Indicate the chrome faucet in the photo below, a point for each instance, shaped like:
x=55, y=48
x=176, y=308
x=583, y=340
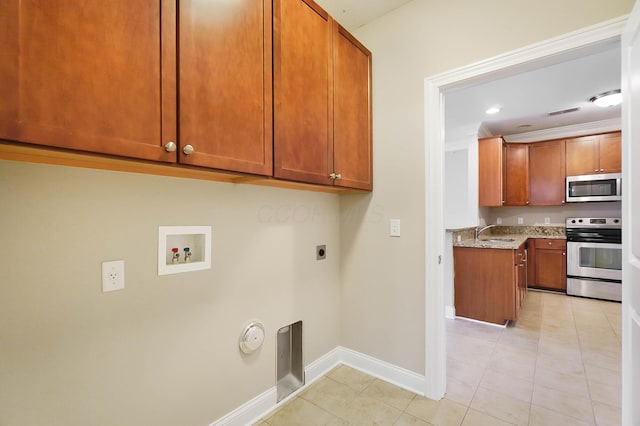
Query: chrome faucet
x=479, y=229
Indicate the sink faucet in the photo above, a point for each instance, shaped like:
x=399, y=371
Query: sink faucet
x=479, y=229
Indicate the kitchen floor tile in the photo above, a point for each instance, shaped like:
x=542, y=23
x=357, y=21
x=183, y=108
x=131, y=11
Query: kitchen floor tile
x=558, y=365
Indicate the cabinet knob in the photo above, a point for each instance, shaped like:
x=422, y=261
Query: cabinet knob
x=335, y=176
x=188, y=149
x=602, y=170
x=338, y=176
x=549, y=242
x=596, y=170
x=564, y=254
x=170, y=146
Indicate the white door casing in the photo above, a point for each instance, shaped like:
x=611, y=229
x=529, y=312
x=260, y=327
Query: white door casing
x=631, y=219
x=511, y=63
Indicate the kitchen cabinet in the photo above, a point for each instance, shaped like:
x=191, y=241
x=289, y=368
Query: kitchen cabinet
x=491, y=171
x=594, y=154
x=547, y=173
x=322, y=99
x=91, y=76
x=517, y=174
x=225, y=79
x=548, y=263
x=489, y=284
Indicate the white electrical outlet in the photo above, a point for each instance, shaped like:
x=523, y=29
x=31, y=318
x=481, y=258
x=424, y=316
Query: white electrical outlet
x=520, y=220
x=499, y=221
x=547, y=220
x=112, y=275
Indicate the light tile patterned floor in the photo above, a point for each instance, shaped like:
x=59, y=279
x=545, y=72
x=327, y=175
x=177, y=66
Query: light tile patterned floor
x=558, y=365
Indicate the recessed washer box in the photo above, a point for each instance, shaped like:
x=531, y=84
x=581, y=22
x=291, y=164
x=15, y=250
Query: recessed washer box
x=197, y=239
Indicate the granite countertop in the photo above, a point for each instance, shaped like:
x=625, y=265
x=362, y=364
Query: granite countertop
x=498, y=237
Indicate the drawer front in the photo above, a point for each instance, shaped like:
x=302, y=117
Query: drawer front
x=549, y=243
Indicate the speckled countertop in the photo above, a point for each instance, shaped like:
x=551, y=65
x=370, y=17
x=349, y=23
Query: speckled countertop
x=519, y=234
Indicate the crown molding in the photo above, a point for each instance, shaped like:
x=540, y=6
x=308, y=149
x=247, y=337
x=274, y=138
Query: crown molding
x=573, y=130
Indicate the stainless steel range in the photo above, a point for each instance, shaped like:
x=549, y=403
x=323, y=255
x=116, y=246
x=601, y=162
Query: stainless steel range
x=594, y=257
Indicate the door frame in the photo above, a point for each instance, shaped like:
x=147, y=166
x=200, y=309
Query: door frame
x=544, y=53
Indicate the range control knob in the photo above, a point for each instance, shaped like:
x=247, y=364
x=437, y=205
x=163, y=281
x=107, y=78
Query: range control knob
x=616, y=220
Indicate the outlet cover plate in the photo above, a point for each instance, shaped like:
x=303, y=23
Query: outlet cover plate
x=112, y=275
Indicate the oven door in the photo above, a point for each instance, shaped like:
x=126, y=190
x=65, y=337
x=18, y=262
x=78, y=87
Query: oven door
x=594, y=260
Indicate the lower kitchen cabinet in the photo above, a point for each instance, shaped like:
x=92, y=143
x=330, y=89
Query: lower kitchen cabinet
x=489, y=284
x=548, y=264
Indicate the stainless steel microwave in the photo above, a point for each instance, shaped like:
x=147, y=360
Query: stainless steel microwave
x=600, y=187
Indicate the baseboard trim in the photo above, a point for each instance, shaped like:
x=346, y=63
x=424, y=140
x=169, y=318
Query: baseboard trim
x=260, y=406
x=450, y=312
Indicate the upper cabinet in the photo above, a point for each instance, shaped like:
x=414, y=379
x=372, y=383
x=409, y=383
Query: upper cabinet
x=95, y=76
x=491, y=171
x=546, y=173
x=516, y=174
x=225, y=80
x=260, y=87
x=322, y=99
x=594, y=154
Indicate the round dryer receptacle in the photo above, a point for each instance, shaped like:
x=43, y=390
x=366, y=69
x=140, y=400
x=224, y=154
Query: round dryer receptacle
x=252, y=337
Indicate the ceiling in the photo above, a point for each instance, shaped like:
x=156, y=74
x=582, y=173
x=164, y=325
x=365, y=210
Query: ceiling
x=352, y=14
x=556, y=84
x=527, y=98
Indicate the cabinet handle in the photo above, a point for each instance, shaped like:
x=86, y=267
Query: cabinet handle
x=338, y=176
x=170, y=146
x=332, y=175
x=188, y=149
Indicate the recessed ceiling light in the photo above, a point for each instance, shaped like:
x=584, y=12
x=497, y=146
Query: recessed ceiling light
x=493, y=110
x=607, y=99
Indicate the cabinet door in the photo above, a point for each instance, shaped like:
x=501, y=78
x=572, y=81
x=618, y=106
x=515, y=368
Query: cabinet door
x=226, y=85
x=93, y=76
x=303, y=92
x=517, y=174
x=610, y=153
x=352, y=111
x=582, y=156
x=490, y=171
x=547, y=173
x=551, y=264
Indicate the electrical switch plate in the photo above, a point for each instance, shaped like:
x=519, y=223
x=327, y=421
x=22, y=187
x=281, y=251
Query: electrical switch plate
x=112, y=275
x=520, y=220
x=547, y=220
x=394, y=227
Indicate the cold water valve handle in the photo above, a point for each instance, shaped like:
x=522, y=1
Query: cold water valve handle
x=187, y=254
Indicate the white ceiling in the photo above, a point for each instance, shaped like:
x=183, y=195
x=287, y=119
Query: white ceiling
x=527, y=98
x=352, y=14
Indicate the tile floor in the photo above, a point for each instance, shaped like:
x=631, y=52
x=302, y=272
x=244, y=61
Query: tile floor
x=558, y=365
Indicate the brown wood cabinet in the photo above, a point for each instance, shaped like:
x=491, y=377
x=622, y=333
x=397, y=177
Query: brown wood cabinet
x=491, y=171
x=489, y=284
x=104, y=77
x=517, y=174
x=547, y=173
x=92, y=76
x=322, y=101
x=225, y=103
x=594, y=154
x=548, y=264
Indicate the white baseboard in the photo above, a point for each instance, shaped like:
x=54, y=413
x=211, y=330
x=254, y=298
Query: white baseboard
x=450, y=312
x=260, y=406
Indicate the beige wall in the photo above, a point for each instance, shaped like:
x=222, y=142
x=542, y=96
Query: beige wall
x=163, y=351
x=383, y=307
